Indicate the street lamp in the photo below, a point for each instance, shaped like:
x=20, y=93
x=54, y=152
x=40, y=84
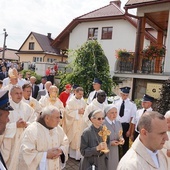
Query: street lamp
x=4, y=46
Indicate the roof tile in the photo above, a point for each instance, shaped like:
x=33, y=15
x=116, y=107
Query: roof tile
x=106, y=11
x=45, y=43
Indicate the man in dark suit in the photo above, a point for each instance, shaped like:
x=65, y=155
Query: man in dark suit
x=44, y=91
x=4, y=73
x=35, y=87
x=4, y=112
x=27, y=75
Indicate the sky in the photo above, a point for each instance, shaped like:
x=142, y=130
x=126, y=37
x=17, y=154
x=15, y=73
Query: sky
x=20, y=17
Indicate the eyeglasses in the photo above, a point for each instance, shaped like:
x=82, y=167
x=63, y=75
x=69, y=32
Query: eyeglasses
x=99, y=118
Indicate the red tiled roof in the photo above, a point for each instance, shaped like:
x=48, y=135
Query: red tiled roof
x=106, y=11
x=111, y=11
x=137, y=3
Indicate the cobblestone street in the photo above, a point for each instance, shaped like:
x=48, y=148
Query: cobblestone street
x=72, y=164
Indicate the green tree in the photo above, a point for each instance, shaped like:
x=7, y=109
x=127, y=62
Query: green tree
x=163, y=104
x=90, y=62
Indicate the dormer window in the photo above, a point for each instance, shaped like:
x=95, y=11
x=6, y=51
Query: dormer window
x=31, y=46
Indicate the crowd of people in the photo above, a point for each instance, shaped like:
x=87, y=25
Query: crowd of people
x=40, y=128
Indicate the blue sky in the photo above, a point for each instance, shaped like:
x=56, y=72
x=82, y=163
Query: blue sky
x=20, y=17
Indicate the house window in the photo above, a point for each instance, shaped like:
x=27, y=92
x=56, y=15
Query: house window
x=37, y=59
x=31, y=46
x=50, y=60
x=107, y=32
x=92, y=33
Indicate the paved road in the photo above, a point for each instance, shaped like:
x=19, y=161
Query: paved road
x=72, y=164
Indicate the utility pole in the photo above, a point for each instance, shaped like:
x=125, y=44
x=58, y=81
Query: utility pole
x=4, y=46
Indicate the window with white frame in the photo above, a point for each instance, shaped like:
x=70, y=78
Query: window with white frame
x=51, y=60
x=37, y=59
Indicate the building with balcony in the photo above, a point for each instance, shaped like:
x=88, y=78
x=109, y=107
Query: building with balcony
x=147, y=71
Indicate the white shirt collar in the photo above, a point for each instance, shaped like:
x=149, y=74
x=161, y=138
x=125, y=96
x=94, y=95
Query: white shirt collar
x=153, y=156
x=149, y=109
x=109, y=121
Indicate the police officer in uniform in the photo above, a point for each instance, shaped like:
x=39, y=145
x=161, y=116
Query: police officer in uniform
x=126, y=110
x=146, y=106
x=97, y=87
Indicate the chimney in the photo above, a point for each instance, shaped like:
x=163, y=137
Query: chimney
x=49, y=35
x=116, y=2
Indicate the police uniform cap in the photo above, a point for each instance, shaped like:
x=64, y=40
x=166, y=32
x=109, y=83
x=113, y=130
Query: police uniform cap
x=4, y=101
x=125, y=90
x=75, y=86
x=147, y=98
x=96, y=80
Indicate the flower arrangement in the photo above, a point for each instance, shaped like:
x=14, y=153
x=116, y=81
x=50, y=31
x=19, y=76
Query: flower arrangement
x=124, y=55
x=151, y=52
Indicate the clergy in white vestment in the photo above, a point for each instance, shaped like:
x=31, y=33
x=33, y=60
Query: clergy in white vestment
x=27, y=98
x=166, y=147
x=13, y=79
x=44, y=144
x=19, y=119
x=74, y=122
x=96, y=104
x=52, y=99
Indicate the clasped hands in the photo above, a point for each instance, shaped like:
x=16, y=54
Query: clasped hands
x=54, y=153
x=101, y=146
x=21, y=123
x=121, y=141
x=81, y=111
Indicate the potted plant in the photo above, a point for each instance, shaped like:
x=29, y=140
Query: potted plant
x=151, y=52
x=124, y=55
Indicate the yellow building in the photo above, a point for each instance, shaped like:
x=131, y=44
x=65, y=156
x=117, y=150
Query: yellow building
x=37, y=48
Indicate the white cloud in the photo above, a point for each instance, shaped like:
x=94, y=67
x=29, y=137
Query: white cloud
x=20, y=17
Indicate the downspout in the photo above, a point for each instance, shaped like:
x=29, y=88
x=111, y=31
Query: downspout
x=44, y=57
x=18, y=57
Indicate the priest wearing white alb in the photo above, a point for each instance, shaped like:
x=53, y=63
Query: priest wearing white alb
x=96, y=104
x=19, y=119
x=74, y=122
x=27, y=98
x=44, y=144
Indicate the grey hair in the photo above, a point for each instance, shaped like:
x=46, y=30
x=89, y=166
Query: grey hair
x=33, y=77
x=79, y=89
x=15, y=87
x=167, y=114
x=48, y=110
x=54, y=87
x=146, y=120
